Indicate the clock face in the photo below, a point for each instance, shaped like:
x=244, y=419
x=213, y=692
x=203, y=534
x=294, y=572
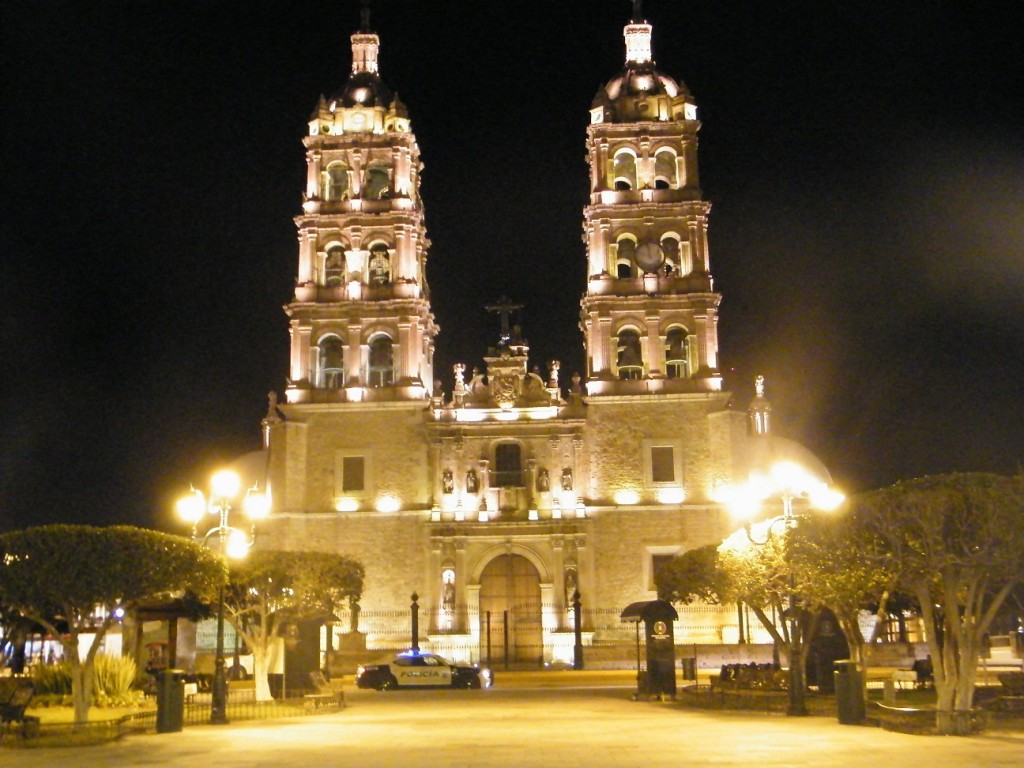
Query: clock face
x=660, y=628
x=649, y=257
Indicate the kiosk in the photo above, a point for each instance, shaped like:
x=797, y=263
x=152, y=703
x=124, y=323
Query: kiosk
x=659, y=679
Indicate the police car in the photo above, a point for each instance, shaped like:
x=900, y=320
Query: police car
x=415, y=669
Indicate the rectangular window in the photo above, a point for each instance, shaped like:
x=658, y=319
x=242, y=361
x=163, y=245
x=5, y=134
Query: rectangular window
x=658, y=565
x=508, y=466
x=663, y=464
x=353, y=474
x=655, y=559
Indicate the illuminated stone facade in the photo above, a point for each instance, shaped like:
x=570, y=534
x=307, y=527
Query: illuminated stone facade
x=516, y=487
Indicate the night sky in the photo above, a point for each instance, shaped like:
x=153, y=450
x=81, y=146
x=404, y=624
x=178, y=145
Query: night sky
x=865, y=163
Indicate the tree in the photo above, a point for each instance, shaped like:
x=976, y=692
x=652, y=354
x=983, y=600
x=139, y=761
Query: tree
x=82, y=577
x=738, y=570
x=691, y=576
x=763, y=576
x=269, y=588
x=956, y=542
x=837, y=564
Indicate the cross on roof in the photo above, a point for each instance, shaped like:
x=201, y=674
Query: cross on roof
x=504, y=307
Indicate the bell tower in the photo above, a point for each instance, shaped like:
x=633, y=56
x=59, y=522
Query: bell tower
x=361, y=327
x=649, y=312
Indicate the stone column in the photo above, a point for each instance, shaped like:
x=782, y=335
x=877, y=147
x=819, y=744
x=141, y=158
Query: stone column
x=300, y=352
x=603, y=354
x=558, y=569
x=355, y=352
x=313, y=160
x=402, y=350
x=655, y=348
x=461, y=589
x=307, y=255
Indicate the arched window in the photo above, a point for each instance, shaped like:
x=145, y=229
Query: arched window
x=508, y=466
x=331, y=364
x=378, y=184
x=336, y=182
x=334, y=266
x=380, y=264
x=677, y=354
x=624, y=265
x=670, y=247
x=381, y=365
x=624, y=170
x=630, y=362
x=665, y=170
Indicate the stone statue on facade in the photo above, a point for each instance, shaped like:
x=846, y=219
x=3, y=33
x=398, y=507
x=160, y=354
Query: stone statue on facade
x=567, y=479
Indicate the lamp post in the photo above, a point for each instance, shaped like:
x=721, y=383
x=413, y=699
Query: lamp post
x=225, y=486
x=788, y=482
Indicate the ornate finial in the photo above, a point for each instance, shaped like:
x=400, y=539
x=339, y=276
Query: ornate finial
x=271, y=418
x=638, y=38
x=760, y=410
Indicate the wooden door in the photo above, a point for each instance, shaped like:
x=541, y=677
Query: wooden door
x=510, y=591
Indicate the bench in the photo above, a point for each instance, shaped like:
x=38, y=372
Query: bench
x=764, y=677
x=904, y=678
x=15, y=696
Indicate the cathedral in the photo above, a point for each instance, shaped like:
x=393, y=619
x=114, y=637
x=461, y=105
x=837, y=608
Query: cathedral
x=497, y=494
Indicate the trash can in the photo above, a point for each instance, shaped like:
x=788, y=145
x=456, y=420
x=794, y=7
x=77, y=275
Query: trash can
x=849, y=680
x=689, y=668
x=170, y=701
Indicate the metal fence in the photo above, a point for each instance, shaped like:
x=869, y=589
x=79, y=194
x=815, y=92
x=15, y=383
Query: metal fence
x=292, y=704
x=239, y=708
x=526, y=634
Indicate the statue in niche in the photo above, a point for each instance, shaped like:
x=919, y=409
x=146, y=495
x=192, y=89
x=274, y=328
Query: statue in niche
x=472, y=482
x=571, y=585
x=448, y=590
x=447, y=482
x=567, y=479
x=543, y=481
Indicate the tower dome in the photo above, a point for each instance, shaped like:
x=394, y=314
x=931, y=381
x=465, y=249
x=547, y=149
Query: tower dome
x=363, y=89
x=640, y=91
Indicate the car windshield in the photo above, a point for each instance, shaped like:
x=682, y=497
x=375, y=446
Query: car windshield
x=420, y=660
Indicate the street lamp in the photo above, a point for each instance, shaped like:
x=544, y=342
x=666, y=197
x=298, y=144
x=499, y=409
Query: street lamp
x=788, y=481
x=225, y=486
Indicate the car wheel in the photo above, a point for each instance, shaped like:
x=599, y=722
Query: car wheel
x=388, y=684
x=473, y=682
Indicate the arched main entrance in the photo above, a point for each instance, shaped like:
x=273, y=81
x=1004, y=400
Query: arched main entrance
x=510, y=599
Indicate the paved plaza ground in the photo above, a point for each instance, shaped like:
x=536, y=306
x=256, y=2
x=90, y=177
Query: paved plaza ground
x=532, y=722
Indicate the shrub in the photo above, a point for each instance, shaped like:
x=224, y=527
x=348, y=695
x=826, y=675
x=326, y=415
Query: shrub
x=52, y=680
x=113, y=678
